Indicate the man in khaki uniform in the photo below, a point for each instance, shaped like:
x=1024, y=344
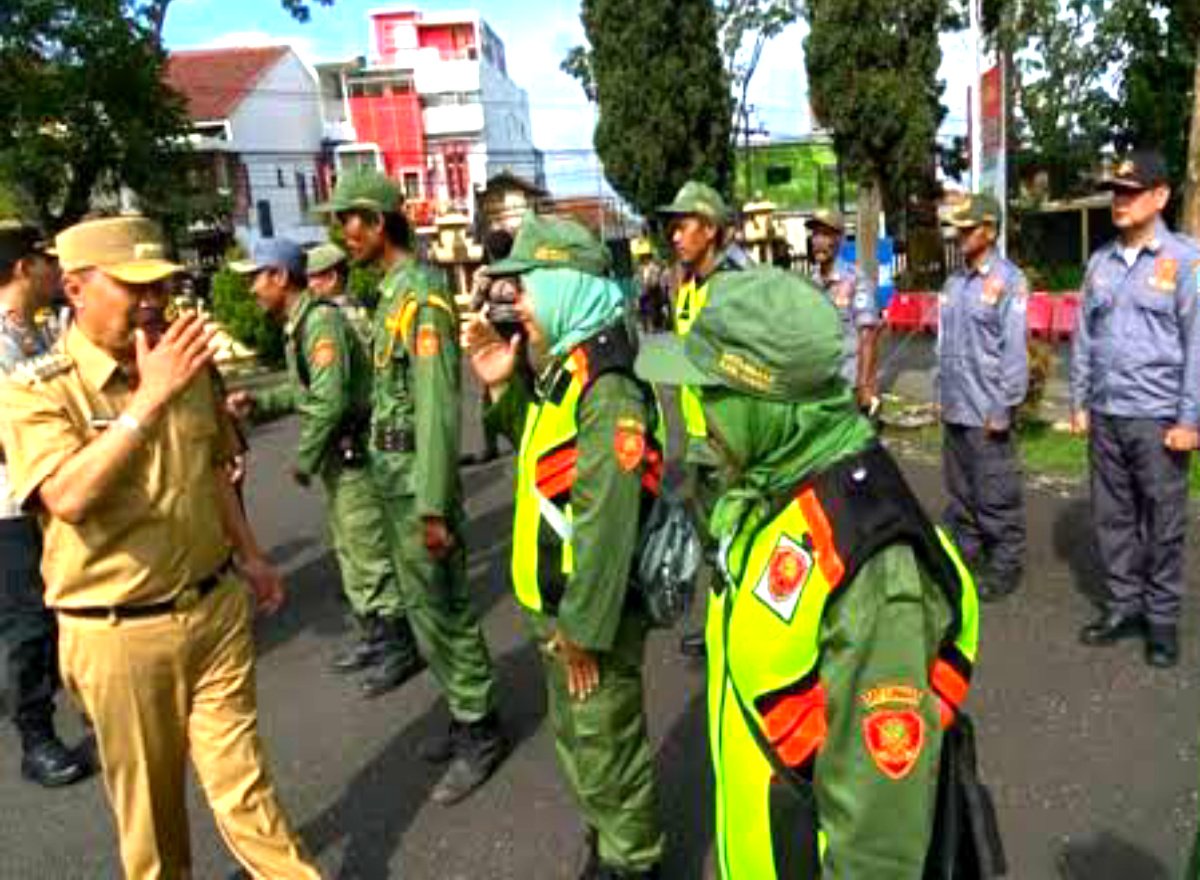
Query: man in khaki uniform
x=122, y=451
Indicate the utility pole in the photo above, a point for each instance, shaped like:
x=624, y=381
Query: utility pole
x=1191, y=196
x=976, y=97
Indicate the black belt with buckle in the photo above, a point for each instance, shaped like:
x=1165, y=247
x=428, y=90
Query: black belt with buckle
x=394, y=440
x=187, y=599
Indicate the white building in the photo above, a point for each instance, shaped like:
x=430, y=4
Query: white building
x=257, y=113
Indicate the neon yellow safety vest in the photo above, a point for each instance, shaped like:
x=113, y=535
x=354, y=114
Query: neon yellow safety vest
x=790, y=569
x=543, y=557
x=689, y=300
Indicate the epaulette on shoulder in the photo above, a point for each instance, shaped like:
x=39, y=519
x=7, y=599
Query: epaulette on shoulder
x=36, y=370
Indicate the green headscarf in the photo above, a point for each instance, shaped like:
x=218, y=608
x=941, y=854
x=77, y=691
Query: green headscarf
x=571, y=307
x=772, y=446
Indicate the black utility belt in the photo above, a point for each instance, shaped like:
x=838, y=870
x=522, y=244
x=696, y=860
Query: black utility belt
x=186, y=600
x=395, y=440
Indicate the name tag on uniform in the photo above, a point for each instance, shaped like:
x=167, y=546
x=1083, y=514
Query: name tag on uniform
x=1166, y=275
x=99, y=423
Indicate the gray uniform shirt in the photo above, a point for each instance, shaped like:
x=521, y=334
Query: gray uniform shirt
x=1136, y=351
x=856, y=308
x=983, y=365
x=18, y=342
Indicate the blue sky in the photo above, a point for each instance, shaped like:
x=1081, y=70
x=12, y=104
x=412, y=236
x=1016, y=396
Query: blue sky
x=537, y=35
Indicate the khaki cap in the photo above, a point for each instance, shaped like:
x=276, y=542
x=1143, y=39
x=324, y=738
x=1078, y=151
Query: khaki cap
x=130, y=249
x=829, y=218
x=698, y=199
x=324, y=257
x=976, y=210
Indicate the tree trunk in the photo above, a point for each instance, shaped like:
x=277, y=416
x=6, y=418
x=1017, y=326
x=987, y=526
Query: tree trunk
x=870, y=204
x=1191, y=200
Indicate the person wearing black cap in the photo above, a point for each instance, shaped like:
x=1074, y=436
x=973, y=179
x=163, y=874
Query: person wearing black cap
x=28, y=277
x=1135, y=389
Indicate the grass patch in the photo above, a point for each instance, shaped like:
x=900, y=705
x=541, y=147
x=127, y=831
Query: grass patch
x=1043, y=450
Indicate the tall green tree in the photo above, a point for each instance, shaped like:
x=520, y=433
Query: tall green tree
x=1155, y=46
x=83, y=107
x=872, y=71
x=655, y=71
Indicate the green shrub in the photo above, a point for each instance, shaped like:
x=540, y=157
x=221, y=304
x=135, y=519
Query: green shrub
x=1055, y=278
x=234, y=306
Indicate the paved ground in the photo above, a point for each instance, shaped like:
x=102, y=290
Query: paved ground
x=1081, y=746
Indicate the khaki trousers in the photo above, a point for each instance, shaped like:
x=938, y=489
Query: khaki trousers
x=165, y=688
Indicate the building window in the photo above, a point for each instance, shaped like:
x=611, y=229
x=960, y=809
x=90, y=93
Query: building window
x=302, y=192
x=778, y=175
x=279, y=178
x=266, y=225
x=412, y=185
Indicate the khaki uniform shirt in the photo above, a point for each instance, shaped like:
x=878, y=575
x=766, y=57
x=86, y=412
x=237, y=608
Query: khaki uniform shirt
x=159, y=528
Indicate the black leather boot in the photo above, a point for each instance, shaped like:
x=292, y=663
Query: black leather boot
x=362, y=653
x=398, y=662
x=478, y=750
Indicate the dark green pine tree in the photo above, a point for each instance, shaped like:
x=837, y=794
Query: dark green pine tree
x=872, y=71
x=656, y=73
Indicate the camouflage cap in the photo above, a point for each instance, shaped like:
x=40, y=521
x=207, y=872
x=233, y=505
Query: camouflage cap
x=324, y=257
x=130, y=249
x=1141, y=169
x=366, y=190
x=700, y=200
x=764, y=332
x=976, y=210
x=548, y=242
x=828, y=218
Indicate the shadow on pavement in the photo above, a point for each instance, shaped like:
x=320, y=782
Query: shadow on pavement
x=381, y=800
x=1075, y=545
x=314, y=602
x=685, y=787
x=1104, y=856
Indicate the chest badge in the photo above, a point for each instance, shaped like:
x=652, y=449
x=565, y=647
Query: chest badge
x=843, y=294
x=1166, y=274
x=894, y=738
x=782, y=582
x=993, y=290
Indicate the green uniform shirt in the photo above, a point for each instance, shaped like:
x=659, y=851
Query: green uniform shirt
x=605, y=501
x=338, y=380
x=416, y=389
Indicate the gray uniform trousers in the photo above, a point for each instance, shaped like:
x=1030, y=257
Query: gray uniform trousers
x=986, y=508
x=1139, y=513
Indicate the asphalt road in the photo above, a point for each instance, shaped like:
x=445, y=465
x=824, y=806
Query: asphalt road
x=1084, y=748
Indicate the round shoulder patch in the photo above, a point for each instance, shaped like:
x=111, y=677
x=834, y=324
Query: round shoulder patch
x=324, y=352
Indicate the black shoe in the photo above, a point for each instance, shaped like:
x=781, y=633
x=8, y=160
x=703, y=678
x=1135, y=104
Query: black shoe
x=588, y=860
x=1110, y=627
x=51, y=764
x=692, y=645
x=399, y=660
x=440, y=747
x=480, y=749
x=1162, y=646
x=993, y=588
x=364, y=652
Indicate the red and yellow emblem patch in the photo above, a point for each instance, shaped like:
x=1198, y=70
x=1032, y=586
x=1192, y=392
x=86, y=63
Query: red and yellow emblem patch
x=787, y=572
x=993, y=290
x=630, y=443
x=324, y=352
x=429, y=343
x=1166, y=273
x=894, y=738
